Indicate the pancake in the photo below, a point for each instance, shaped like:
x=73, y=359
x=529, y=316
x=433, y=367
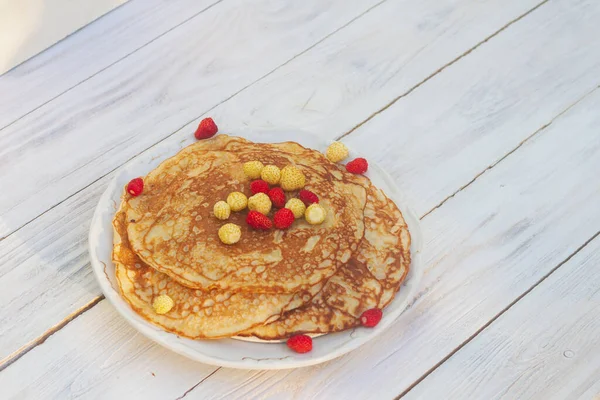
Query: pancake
x=170, y=226
x=369, y=280
x=196, y=314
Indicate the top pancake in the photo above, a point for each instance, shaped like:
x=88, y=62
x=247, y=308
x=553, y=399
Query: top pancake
x=172, y=229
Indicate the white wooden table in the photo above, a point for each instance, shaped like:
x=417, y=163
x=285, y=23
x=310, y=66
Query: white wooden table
x=487, y=113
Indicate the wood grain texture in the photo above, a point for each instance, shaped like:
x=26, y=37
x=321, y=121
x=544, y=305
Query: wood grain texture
x=545, y=347
x=92, y=49
x=59, y=257
x=485, y=246
x=112, y=117
x=112, y=347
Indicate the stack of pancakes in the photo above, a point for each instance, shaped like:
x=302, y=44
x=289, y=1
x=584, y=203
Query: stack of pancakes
x=271, y=284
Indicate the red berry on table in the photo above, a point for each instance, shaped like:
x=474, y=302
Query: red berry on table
x=135, y=186
x=258, y=221
x=371, y=317
x=206, y=129
x=300, y=343
x=357, y=166
x=308, y=197
x=283, y=218
x=259, y=186
x=277, y=197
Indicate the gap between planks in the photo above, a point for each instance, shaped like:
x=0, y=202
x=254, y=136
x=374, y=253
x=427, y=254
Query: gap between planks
x=42, y=338
x=495, y=317
x=105, y=68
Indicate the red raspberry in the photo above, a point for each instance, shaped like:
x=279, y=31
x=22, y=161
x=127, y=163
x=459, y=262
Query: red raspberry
x=300, y=343
x=308, y=197
x=258, y=221
x=357, y=166
x=283, y=218
x=206, y=129
x=371, y=317
x=135, y=186
x=259, y=186
x=277, y=197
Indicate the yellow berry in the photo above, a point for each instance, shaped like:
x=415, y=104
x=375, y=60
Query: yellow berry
x=221, y=210
x=230, y=233
x=252, y=169
x=292, y=178
x=336, y=152
x=271, y=174
x=237, y=201
x=297, y=207
x=163, y=304
x=315, y=214
x=260, y=202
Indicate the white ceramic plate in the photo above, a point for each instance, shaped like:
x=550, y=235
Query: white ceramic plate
x=231, y=352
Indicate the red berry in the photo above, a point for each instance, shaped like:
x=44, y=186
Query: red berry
x=300, y=343
x=371, y=317
x=308, y=197
x=135, y=186
x=259, y=186
x=357, y=166
x=258, y=221
x=283, y=218
x=277, y=197
x=206, y=129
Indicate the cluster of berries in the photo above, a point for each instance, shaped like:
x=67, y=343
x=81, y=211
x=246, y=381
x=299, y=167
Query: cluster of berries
x=265, y=197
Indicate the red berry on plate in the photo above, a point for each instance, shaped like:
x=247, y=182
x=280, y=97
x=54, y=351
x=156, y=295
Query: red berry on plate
x=259, y=186
x=308, y=197
x=277, y=197
x=206, y=129
x=135, y=186
x=371, y=317
x=258, y=221
x=283, y=218
x=300, y=343
x=357, y=166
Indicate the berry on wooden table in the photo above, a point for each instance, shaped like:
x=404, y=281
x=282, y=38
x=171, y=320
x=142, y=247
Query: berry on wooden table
x=206, y=129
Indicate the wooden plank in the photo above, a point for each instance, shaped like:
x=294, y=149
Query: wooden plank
x=485, y=247
x=91, y=50
x=110, y=118
x=547, y=346
x=63, y=249
x=28, y=27
x=111, y=347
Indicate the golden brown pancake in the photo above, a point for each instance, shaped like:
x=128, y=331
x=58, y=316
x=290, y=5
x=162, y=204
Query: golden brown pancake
x=171, y=226
x=369, y=280
x=196, y=314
